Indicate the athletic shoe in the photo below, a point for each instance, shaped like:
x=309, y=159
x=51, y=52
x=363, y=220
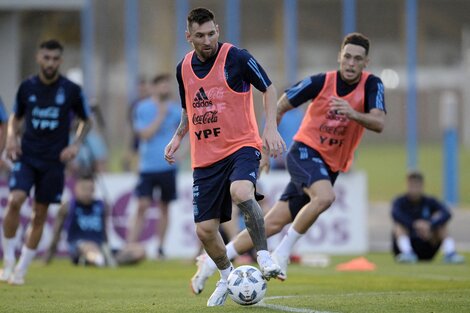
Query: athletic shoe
x=454, y=258
x=17, y=278
x=268, y=267
x=6, y=272
x=282, y=262
x=204, y=271
x=219, y=295
x=406, y=258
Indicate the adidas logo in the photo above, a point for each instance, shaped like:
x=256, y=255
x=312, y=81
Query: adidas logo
x=201, y=100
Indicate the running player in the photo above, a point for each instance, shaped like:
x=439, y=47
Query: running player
x=215, y=87
x=44, y=103
x=342, y=104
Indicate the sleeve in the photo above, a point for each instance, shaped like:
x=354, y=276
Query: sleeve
x=374, y=94
x=3, y=113
x=97, y=145
x=19, y=107
x=252, y=72
x=400, y=216
x=306, y=89
x=441, y=214
x=80, y=105
x=179, y=79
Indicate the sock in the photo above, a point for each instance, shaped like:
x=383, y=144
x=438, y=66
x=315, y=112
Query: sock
x=448, y=245
x=404, y=244
x=224, y=273
x=8, y=245
x=285, y=247
x=27, y=255
x=231, y=252
x=271, y=243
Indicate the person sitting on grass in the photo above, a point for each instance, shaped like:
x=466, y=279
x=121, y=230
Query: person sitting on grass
x=420, y=225
x=84, y=219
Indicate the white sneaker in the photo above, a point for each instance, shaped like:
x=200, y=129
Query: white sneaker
x=204, y=271
x=219, y=295
x=282, y=262
x=17, y=278
x=268, y=267
x=7, y=270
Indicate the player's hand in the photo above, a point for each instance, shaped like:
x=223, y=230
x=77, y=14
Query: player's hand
x=170, y=150
x=13, y=148
x=342, y=107
x=264, y=165
x=273, y=142
x=69, y=153
x=423, y=229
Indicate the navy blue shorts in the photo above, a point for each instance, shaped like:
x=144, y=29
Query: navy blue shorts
x=305, y=166
x=211, y=186
x=423, y=249
x=165, y=181
x=46, y=177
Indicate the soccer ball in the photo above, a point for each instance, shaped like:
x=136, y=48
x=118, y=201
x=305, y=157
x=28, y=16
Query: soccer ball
x=246, y=285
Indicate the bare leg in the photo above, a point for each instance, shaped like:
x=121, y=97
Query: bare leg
x=11, y=219
x=138, y=220
x=37, y=225
x=92, y=253
x=163, y=224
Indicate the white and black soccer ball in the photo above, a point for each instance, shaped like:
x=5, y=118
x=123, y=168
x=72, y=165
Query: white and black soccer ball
x=246, y=285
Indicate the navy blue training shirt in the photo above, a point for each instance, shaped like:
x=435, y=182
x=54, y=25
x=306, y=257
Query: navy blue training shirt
x=48, y=111
x=241, y=71
x=86, y=222
x=309, y=88
x=405, y=212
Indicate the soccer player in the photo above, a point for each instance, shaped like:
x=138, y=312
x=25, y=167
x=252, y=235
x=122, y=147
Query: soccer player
x=44, y=103
x=420, y=225
x=155, y=120
x=342, y=104
x=215, y=87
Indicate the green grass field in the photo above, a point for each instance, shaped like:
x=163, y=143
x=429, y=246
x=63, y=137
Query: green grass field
x=385, y=166
x=163, y=287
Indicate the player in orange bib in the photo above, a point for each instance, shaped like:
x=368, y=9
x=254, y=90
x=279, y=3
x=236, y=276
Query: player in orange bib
x=342, y=104
x=215, y=82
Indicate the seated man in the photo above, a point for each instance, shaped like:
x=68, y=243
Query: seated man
x=84, y=219
x=420, y=225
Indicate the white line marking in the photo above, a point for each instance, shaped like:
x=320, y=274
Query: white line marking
x=286, y=308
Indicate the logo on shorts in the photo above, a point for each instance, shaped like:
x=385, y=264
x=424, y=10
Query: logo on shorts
x=323, y=171
x=303, y=153
x=195, y=210
x=201, y=100
x=253, y=174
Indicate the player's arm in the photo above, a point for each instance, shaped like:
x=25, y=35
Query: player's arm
x=3, y=126
x=105, y=248
x=58, y=225
x=13, y=147
x=400, y=216
x=441, y=214
x=175, y=142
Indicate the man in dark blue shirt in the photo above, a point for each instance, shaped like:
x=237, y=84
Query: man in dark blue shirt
x=45, y=104
x=420, y=225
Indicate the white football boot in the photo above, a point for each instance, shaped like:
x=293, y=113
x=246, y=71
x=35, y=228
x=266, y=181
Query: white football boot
x=282, y=262
x=268, y=267
x=17, y=278
x=204, y=271
x=7, y=271
x=219, y=296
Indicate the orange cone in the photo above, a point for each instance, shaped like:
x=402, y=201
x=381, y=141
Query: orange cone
x=360, y=264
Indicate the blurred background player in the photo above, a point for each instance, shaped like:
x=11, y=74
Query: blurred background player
x=420, y=225
x=44, y=103
x=342, y=104
x=215, y=87
x=84, y=220
x=155, y=120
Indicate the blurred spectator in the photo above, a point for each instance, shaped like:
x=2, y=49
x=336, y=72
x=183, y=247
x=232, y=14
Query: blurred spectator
x=420, y=225
x=84, y=220
x=131, y=152
x=155, y=120
x=4, y=164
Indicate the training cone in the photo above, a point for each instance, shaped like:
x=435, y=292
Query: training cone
x=360, y=264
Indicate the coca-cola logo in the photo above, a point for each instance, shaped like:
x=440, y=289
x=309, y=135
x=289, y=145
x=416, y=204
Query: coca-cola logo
x=333, y=130
x=206, y=118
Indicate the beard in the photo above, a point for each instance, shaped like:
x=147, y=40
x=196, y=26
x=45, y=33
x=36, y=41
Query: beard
x=49, y=73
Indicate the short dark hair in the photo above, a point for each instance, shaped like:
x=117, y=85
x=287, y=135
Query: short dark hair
x=357, y=39
x=51, y=44
x=200, y=16
x=415, y=175
x=159, y=78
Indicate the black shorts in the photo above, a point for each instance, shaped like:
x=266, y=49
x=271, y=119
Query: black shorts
x=423, y=249
x=305, y=167
x=211, y=186
x=46, y=177
x=165, y=181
